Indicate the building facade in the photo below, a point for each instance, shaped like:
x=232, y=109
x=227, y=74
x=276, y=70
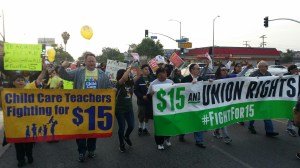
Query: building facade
x=242, y=55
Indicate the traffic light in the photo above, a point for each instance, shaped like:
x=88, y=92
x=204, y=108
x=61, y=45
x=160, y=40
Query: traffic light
x=266, y=21
x=181, y=51
x=146, y=33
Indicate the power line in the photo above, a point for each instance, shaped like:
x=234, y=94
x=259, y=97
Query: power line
x=263, y=43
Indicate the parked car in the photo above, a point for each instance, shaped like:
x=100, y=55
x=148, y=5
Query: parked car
x=277, y=66
x=185, y=71
x=273, y=71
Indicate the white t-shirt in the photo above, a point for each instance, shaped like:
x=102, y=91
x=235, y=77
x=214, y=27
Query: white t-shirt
x=156, y=81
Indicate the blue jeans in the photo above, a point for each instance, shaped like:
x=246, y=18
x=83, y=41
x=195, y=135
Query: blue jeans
x=199, y=137
x=86, y=144
x=268, y=125
x=121, y=118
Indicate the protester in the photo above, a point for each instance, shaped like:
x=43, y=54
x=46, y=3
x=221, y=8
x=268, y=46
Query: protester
x=161, y=75
x=195, y=75
x=296, y=111
x=169, y=67
x=55, y=82
x=292, y=70
x=261, y=72
x=88, y=77
x=25, y=148
x=222, y=73
x=144, y=104
x=176, y=76
x=236, y=70
x=124, y=108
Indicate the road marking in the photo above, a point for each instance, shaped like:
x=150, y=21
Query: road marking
x=232, y=157
x=281, y=121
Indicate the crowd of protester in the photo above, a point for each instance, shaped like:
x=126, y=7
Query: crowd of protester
x=142, y=87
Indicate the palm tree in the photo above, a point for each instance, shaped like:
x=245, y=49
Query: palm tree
x=65, y=36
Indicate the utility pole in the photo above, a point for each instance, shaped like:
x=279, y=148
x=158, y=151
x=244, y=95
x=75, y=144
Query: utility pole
x=263, y=41
x=3, y=35
x=246, y=43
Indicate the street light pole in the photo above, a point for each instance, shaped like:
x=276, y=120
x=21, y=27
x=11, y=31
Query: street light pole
x=3, y=35
x=179, y=27
x=213, y=47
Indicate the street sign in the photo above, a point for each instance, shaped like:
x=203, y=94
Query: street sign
x=185, y=45
x=153, y=37
x=181, y=41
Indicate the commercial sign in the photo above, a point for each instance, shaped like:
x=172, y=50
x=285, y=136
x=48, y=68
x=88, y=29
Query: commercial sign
x=185, y=45
x=46, y=41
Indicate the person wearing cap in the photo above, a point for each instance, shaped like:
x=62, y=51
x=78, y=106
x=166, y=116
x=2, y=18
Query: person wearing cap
x=261, y=72
x=222, y=73
x=292, y=70
x=160, y=60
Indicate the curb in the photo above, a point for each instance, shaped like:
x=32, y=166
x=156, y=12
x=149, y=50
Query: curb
x=4, y=149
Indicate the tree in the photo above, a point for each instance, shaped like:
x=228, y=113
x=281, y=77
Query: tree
x=66, y=37
x=132, y=48
x=288, y=56
x=62, y=55
x=149, y=48
x=110, y=53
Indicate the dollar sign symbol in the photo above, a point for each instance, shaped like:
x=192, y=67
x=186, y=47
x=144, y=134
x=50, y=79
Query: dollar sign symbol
x=78, y=117
x=163, y=105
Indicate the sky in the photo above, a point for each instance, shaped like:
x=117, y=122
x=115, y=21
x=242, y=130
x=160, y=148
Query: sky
x=119, y=23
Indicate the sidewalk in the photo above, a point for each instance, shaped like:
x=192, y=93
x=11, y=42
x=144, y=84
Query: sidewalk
x=2, y=149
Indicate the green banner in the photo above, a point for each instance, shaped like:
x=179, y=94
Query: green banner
x=22, y=57
x=186, y=108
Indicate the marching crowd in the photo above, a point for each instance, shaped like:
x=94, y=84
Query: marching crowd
x=142, y=86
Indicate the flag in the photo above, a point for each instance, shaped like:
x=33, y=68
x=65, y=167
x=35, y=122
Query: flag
x=210, y=66
x=228, y=65
x=135, y=56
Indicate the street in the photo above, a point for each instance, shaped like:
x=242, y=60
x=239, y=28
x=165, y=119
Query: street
x=246, y=150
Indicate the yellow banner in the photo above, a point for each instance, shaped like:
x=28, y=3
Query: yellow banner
x=55, y=114
x=22, y=57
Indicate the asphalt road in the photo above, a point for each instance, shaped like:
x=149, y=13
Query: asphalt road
x=245, y=151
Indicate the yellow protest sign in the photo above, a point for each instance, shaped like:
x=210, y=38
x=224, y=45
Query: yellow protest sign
x=68, y=84
x=22, y=57
x=56, y=114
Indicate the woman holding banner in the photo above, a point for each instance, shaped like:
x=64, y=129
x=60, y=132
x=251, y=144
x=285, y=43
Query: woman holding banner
x=161, y=74
x=222, y=73
x=25, y=149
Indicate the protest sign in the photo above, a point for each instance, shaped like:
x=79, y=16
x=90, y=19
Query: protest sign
x=186, y=108
x=32, y=115
x=112, y=67
x=22, y=57
x=176, y=60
